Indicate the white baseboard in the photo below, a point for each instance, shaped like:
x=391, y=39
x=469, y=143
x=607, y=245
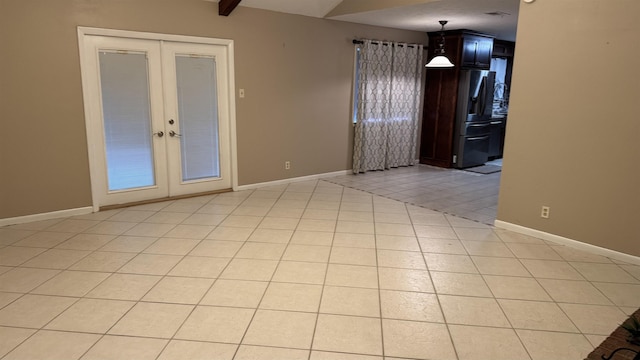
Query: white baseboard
x=46, y=216
x=568, y=242
x=297, y=179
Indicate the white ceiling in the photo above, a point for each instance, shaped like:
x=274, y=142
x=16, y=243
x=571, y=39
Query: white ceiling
x=315, y=8
x=419, y=15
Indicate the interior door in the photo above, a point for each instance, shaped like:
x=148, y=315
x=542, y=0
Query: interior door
x=198, y=117
x=127, y=147
x=158, y=120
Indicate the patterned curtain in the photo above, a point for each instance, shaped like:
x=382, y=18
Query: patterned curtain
x=389, y=92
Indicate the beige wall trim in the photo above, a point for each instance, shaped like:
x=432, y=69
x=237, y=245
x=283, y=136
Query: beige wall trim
x=46, y=216
x=290, y=180
x=568, y=242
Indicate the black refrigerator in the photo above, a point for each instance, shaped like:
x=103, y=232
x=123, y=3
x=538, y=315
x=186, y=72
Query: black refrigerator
x=472, y=131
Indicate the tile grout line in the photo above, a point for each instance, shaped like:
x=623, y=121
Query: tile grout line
x=326, y=273
x=433, y=285
x=78, y=299
x=215, y=280
x=375, y=244
x=255, y=312
x=195, y=306
x=140, y=299
x=502, y=311
x=136, y=302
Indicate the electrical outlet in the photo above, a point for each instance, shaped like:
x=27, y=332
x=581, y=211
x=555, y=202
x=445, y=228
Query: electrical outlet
x=287, y=165
x=544, y=213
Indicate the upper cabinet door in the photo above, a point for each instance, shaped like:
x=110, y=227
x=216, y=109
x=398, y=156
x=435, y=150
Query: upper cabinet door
x=476, y=52
x=469, y=50
x=483, y=54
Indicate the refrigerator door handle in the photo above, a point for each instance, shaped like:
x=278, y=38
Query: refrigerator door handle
x=483, y=95
x=479, y=125
x=477, y=138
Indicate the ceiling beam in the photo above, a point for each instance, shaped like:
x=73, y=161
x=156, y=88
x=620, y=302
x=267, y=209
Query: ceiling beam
x=225, y=7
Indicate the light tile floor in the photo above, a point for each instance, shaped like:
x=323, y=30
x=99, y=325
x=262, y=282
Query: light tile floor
x=462, y=193
x=308, y=270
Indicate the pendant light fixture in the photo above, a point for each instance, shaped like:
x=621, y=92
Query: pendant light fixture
x=440, y=60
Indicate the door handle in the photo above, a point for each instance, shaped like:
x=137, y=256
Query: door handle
x=174, y=134
x=477, y=138
x=159, y=133
x=483, y=95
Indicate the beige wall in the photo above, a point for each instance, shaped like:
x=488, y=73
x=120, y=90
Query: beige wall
x=297, y=72
x=573, y=132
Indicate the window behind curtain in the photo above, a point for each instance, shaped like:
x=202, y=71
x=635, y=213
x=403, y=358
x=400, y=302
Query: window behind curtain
x=356, y=83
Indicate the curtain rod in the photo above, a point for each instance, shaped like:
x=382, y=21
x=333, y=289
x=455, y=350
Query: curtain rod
x=357, y=42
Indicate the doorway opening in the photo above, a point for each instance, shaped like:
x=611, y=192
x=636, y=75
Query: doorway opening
x=160, y=115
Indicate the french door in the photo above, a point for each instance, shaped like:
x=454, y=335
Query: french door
x=158, y=118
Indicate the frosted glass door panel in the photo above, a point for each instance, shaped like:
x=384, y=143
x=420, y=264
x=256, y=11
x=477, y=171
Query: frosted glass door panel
x=127, y=120
x=198, y=117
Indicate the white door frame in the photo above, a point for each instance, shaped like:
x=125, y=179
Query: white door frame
x=88, y=100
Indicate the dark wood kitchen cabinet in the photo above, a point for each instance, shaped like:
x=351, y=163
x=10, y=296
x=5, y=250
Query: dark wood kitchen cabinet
x=502, y=48
x=476, y=51
x=438, y=119
x=466, y=49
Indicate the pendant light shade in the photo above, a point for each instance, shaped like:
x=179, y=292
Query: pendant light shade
x=440, y=60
